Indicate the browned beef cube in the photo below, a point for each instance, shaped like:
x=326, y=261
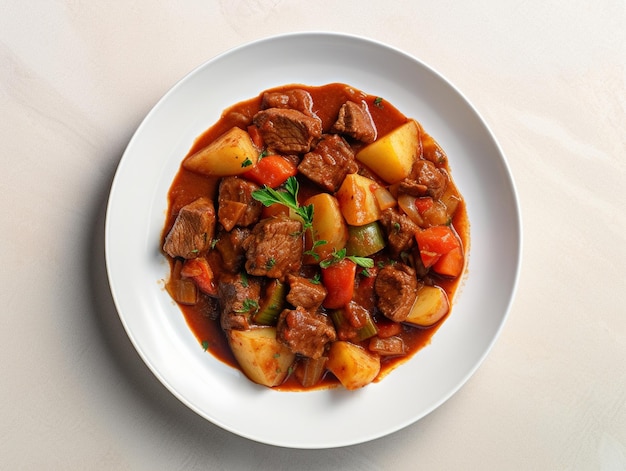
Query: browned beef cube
x=236, y=207
x=230, y=247
x=396, y=287
x=329, y=163
x=355, y=121
x=305, y=332
x=296, y=99
x=274, y=247
x=434, y=179
x=400, y=231
x=304, y=293
x=288, y=131
x=239, y=297
x=193, y=230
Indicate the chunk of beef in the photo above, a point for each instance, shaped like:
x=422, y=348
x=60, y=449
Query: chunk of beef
x=288, y=131
x=425, y=173
x=274, y=247
x=236, y=207
x=230, y=247
x=304, y=293
x=296, y=99
x=329, y=163
x=396, y=287
x=193, y=230
x=355, y=121
x=237, y=296
x=400, y=231
x=305, y=332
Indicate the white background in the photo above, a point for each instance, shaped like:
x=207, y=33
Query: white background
x=77, y=78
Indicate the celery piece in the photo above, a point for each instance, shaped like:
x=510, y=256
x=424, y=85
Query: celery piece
x=346, y=329
x=366, y=240
x=272, y=303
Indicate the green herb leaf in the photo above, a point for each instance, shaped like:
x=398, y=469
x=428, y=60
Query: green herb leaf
x=269, y=196
x=205, y=345
x=247, y=162
x=337, y=256
x=378, y=101
x=317, y=279
x=249, y=305
x=312, y=252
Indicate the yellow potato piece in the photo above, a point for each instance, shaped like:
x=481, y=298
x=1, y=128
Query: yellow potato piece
x=357, y=200
x=260, y=355
x=392, y=156
x=430, y=306
x=233, y=153
x=327, y=224
x=353, y=366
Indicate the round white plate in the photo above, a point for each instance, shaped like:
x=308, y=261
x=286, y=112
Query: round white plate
x=221, y=394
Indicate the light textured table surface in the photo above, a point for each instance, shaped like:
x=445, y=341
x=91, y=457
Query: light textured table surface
x=77, y=78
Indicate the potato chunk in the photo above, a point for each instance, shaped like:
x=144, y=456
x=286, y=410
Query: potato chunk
x=353, y=366
x=357, y=200
x=430, y=306
x=392, y=156
x=233, y=153
x=327, y=224
x=260, y=355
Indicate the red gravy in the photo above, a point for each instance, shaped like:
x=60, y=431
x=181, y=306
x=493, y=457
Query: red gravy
x=188, y=186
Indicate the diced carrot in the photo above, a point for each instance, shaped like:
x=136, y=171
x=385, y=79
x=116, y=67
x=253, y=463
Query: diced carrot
x=338, y=279
x=438, y=239
x=451, y=263
x=271, y=170
x=429, y=258
x=199, y=270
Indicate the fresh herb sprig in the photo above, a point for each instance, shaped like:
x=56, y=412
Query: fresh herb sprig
x=289, y=197
x=339, y=255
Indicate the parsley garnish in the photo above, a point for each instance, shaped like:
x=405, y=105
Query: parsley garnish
x=364, y=262
x=247, y=162
x=270, y=263
x=378, y=101
x=312, y=252
x=248, y=305
x=205, y=345
x=317, y=279
x=244, y=279
x=269, y=196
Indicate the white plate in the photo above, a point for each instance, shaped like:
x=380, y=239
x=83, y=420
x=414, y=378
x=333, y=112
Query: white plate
x=156, y=327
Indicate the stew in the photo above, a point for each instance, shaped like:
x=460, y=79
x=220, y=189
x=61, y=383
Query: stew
x=315, y=236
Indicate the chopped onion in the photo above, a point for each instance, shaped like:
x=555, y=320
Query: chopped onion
x=384, y=198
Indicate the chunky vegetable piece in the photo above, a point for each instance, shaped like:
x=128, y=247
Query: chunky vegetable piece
x=262, y=358
x=392, y=156
x=357, y=200
x=354, y=366
x=315, y=237
x=329, y=231
x=430, y=306
x=233, y=153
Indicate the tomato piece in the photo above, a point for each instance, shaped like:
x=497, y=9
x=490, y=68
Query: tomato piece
x=271, y=170
x=388, y=329
x=451, y=263
x=199, y=270
x=256, y=137
x=423, y=204
x=338, y=279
